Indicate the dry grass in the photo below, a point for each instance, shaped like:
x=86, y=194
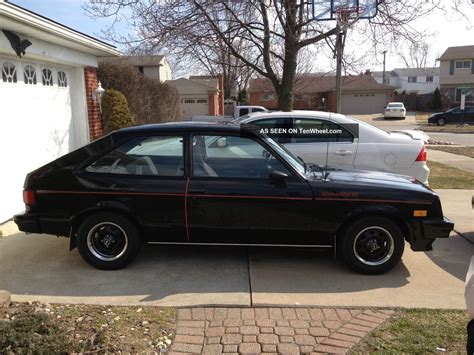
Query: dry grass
x=446, y=177
x=466, y=151
x=418, y=331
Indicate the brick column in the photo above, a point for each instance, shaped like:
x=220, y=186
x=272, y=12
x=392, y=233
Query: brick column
x=93, y=109
x=212, y=104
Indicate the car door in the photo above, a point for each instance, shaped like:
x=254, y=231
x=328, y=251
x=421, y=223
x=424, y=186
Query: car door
x=469, y=118
x=454, y=116
x=324, y=142
x=143, y=177
x=231, y=198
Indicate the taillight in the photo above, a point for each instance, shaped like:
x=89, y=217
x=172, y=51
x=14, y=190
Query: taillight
x=29, y=197
x=422, y=155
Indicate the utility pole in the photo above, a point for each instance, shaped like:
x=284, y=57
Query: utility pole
x=383, y=75
x=341, y=37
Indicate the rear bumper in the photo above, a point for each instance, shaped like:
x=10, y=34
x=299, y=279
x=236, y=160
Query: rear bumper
x=31, y=223
x=27, y=223
x=395, y=114
x=427, y=231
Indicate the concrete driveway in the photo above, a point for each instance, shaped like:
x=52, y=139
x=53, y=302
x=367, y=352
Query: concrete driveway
x=37, y=267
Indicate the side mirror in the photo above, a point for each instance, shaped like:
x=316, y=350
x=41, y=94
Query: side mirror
x=222, y=142
x=278, y=177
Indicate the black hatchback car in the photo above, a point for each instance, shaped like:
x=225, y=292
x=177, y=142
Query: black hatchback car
x=223, y=184
x=455, y=115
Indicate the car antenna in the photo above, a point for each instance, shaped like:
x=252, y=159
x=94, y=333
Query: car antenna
x=326, y=173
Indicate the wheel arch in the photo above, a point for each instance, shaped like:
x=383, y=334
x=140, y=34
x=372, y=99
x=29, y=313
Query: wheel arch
x=388, y=212
x=105, y=206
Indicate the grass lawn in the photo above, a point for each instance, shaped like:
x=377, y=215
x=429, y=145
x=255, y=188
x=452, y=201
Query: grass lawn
x=446, y=177
x=417, y=332
x=53, y=328
x=449, y=128
x=466, y=151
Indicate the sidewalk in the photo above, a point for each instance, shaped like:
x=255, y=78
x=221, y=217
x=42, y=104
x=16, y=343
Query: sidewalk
x=273, y=330
x=453, y=160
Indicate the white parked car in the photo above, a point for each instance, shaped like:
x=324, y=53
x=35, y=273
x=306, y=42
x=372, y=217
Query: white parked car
x=395, y=109
x=368, y=149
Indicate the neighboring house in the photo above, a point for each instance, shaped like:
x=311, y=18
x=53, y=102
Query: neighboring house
x=46, y=96
x=200, y=95
x=411, y=80
x=457, y=74
x=152, y=66
x=361, y=94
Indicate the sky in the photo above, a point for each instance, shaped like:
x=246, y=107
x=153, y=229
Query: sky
x=449, y=28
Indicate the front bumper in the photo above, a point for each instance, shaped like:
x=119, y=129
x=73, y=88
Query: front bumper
x=426, y=231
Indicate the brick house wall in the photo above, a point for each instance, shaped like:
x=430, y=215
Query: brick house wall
x=214, y=104
x=93, y=109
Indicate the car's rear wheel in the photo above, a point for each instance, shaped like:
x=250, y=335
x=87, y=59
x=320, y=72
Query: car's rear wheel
x=441, y=121
x=372, y=245
x=108, y=241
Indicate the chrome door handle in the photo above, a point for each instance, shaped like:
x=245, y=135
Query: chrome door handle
x=343, y=152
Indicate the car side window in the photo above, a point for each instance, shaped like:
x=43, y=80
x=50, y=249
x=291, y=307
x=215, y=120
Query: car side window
x=279, y=122
x=232, y=157
x=324, y=131
x=155, y=156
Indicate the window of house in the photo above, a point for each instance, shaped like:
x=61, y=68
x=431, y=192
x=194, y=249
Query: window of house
x=189, y=101
x=47, y=77
x=8, y=73
x=469, y=94
x=267, y=97
x=154, y=156
x=62, y=79
x=29, y=74
x=412, y=79
x=140, y=69
x=232, y=157
x=429, y=78
x=386, y=81
x=463, y=64
x=301, y=97
x=201, y=101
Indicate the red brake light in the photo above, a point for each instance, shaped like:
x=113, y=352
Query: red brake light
x=28, y=197
x=422, y=155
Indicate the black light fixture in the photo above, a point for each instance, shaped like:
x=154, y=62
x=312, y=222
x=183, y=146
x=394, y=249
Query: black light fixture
x=18, y=45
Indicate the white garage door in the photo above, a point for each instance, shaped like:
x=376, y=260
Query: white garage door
x=194, y=107
x=365, y=103
x=35, y=124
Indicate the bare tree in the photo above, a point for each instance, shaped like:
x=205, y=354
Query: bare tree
x=416, y=56
x=266, y=36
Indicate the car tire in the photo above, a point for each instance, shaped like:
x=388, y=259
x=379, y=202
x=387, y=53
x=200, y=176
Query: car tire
x=441, y=121
x=108, y=241
x=371, y=245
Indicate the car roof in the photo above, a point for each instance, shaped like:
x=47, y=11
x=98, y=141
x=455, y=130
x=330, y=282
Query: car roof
x=296, y=113
x=184, y=126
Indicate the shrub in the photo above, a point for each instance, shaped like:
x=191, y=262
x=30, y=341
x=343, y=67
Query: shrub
x=149, y=100
x=115, y=111
x=31, y=333
x=437, y=99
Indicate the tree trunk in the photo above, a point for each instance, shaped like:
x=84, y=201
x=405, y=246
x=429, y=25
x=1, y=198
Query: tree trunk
x=285, y=88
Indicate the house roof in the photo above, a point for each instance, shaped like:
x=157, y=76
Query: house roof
x=388, y=74
x=20, y=20
x=208, y=80
x=137, y=60
x=462, y=52
x=416, y=71
x=186, y=86
x=316, y=83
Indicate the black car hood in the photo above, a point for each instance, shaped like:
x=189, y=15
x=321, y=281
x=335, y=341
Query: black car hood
x=372, y=179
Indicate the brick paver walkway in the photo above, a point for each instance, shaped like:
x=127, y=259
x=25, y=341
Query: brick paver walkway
x=273, y=330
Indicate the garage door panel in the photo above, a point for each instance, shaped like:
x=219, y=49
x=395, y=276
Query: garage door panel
x=365, y=103
x=35, y=128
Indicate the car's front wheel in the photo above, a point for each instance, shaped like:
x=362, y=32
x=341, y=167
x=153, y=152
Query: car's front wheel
x=441, y=121
x=371, y=245
x=108, y=241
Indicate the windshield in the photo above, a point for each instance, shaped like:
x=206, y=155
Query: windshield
x=286, y=154
x=395, y=105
